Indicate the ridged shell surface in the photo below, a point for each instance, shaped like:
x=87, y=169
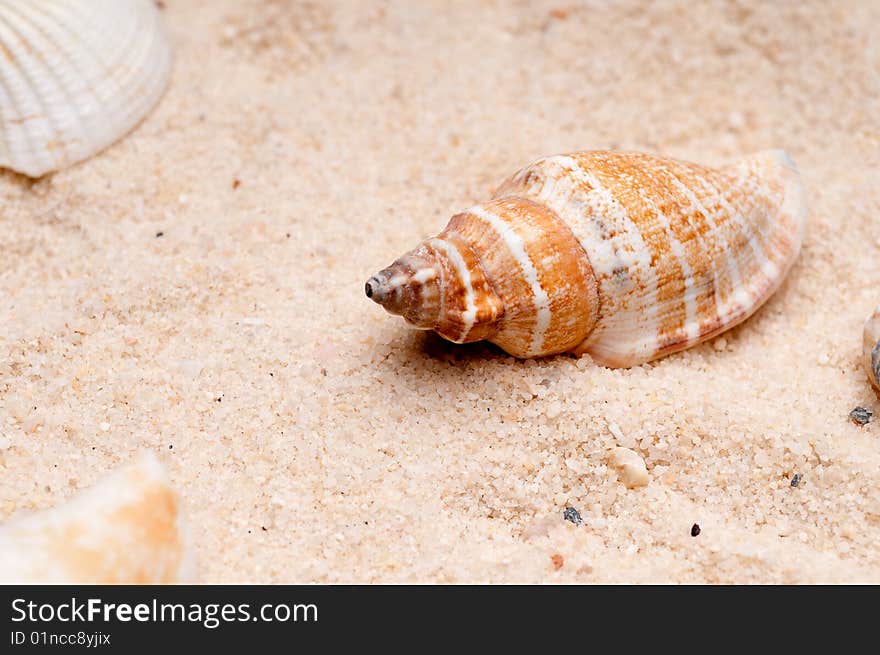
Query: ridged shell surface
x=75, y=76
x=872, y=348
x=680, y=252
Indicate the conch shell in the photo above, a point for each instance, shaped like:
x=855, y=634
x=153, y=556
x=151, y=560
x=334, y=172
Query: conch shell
x=127, y=529
x=872, y=348
x=75, y=77
x=625, y=256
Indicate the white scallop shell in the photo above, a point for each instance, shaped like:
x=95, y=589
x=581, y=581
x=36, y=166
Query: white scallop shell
x=76, y=76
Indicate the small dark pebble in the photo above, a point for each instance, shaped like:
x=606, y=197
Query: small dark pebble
x=170, y=446
x=218, y=399
x=695, y=530
x=861, y=415
x=796, y=480
x=160, y=234
x=571, y=514
x=236, y=184
x=263, y=528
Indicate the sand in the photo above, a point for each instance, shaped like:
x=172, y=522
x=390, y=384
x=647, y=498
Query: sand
x=303, y=146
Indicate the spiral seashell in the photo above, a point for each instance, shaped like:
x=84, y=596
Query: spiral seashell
x=872, y=348
x=625, y=256
x=125, y=529
x=75, y=77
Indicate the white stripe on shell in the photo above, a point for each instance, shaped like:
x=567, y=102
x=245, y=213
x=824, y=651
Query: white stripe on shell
x=454, y=256
x=540, y=300
x=691, y=324
x=732, y=266
x=766, y=264
x=627, y=249
x=424, y=274
x=741, y=298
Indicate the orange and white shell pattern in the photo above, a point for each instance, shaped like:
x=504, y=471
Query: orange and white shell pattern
x=872, y=348
x=127, y=529
x=625, y=256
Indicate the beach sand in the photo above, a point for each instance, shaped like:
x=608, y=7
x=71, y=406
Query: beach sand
x=301, y=147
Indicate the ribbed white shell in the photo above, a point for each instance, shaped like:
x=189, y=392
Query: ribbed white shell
x=75, y=76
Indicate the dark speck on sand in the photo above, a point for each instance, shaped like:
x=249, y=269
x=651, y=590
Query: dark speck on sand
x=861, y=415
x=571, y=514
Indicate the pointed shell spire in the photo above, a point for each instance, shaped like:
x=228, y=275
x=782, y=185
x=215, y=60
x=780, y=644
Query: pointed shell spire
x=75, y=77
x=440, y=285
